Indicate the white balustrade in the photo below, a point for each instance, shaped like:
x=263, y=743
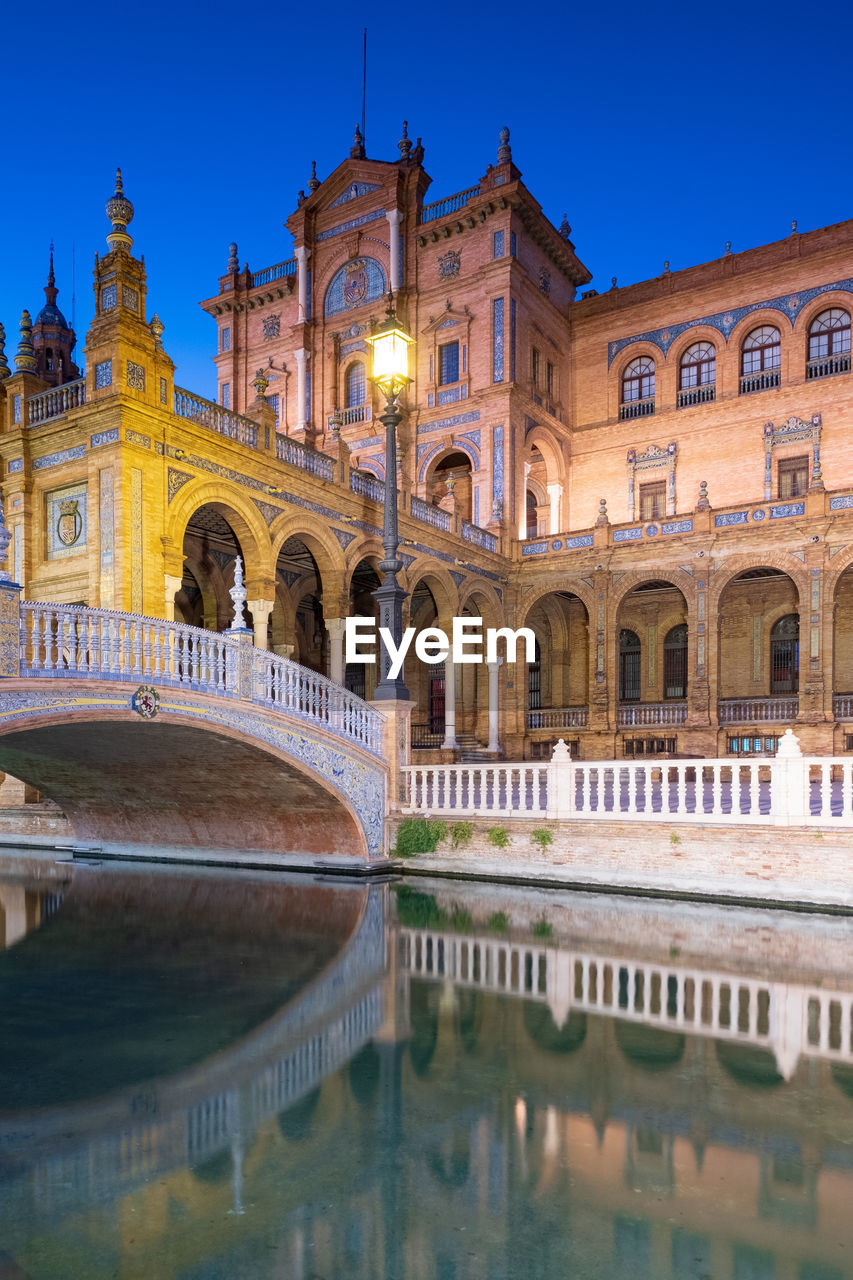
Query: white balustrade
x=639, y=713
x=488, y=790
x=72, y=641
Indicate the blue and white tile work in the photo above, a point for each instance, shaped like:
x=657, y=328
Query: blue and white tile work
x=354, y=284
x=16, y=464
x=789, y=304
x=56, y=459
x=351, y=225
x=67, y=521
x=104, y=437
x=498, y=470
x=447, y=424
x=353, y=192
x=497, y=340
x=104, y=373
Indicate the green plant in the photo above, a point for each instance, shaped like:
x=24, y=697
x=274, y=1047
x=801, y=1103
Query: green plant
x=460, y=920
x=674, y=952
x=542, y=929
x=674, y=838
x=818, y=835
x=541, y=837
x=499, y=837
x=461, y=833
x=499, y=922
x=419, y=835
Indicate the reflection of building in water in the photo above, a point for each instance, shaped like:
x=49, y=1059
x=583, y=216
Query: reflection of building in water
x=24, y=907
x=447, y=1101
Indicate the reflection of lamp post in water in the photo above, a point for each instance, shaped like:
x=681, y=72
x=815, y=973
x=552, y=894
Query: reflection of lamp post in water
x=390, y=344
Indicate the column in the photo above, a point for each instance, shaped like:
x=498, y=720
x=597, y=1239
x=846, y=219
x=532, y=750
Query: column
x=449, y=743
x=395, y=217
x=172, y=587
x=336, y=628
x=301, y=359
x=260, y=610
x=494, y=668
x=302, y=255
x=555, y=495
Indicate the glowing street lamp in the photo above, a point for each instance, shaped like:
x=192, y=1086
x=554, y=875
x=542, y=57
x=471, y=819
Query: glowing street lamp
x=390, y=346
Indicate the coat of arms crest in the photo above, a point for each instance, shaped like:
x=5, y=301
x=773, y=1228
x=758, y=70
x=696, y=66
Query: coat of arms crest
x=449, y=264
x=355, y=283
x=69, y=526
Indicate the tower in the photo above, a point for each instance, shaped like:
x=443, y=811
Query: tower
x=53, y=338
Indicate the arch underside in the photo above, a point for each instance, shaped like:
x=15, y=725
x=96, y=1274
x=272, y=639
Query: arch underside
x=197, y=777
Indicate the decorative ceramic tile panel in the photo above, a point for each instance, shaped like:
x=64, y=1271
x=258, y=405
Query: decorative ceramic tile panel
x=66, y=520
x=844, y=503
x=17, y=464
x=497, y=340
x=16, y=409
x=449, y=424
x=627, y=535
x=730, y=518
x=677, y=526
x=130, y=298
x=351, y=225
x=136, y=437
x=135, y=540
x=103, y=437
x=104, y=373
x=106, y=522
x=498, y=241
x=787, y=509
x=56, y=459
x=354, y=284
x=109, y=297
x=448, y=395
x=497, y=471
x=164, y=391
x=789, y=304
x=135, y=376
x=534, y=549
x=353, y=191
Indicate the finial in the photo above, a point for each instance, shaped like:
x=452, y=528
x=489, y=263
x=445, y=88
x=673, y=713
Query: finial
x=565, y=229
x=357, y=148
x=238, y=599
x=703, y=504
x=120, y=213
x=50, y=276
x=417, y=156
x=602, y=512
x=156, y=326
x=26, y=356
x=405, y=145
x=260, y=383
x=337, y=423
x=728, y=246
x=5, y=371
x=794, y=227
x=666, y=267
x=5, y=539
x=313, y=181
x=504, y=150
x=233, y=260
x=613, y=282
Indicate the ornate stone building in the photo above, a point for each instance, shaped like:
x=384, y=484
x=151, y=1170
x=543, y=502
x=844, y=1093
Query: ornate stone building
x=657, y=479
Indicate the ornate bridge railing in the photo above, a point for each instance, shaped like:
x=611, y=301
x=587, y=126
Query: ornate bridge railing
x=100, y=644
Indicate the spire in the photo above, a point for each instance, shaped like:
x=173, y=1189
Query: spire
x=357, y=149
x=26, y=356
x=120, y=213
x=51, y=280
x=5, y=371
x=405, y=145
x=313, y=181
x=565, y=229
x=504, y=150
x=50, y=290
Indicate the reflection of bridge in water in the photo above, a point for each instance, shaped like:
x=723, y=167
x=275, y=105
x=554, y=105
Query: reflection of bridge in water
x=788, y=1019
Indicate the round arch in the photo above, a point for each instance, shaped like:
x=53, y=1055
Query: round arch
x=432, y=459
x=444, y=590
x=737, y=565
x=573, y=586
x=320, y=541
x=242, y=515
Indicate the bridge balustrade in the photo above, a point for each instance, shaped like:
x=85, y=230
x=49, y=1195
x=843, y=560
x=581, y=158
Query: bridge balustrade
x=74, y=641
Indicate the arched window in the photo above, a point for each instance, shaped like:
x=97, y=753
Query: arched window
x=629, y=666
x=675, y=662
x=638, y=388
x=356, y=385
x=697, y=374
x=532, y=514
x=829, y=343
x=785, y=655
x=761, y=358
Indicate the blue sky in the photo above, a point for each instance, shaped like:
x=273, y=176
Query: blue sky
x=661, y=133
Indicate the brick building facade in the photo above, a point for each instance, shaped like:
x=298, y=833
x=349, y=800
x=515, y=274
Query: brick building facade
x=656, y=479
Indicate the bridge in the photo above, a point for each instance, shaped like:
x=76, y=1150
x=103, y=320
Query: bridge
x=150, y=733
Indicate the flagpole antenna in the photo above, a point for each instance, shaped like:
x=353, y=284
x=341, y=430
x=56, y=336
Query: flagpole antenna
x=364, y=91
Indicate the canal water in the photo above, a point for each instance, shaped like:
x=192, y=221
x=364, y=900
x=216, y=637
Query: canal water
x=241, y=1076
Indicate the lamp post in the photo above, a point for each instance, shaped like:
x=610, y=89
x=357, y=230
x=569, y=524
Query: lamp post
x=390, y=345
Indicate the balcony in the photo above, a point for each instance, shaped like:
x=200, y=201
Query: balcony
x=435, y=516
x=696, y=395
x=828, y=366
x=632, y=714
x=450, y=204
x=752, y=382
x=55, y=403
x=778, y=710
x=367, y=486
x=637, y=409
x=559, y=718
x=842, y=706
x=352, y=416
